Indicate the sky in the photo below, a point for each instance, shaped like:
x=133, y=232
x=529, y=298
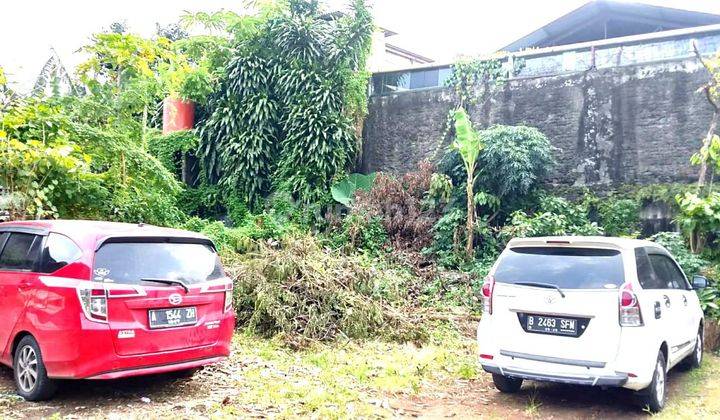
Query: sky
x=439, y=29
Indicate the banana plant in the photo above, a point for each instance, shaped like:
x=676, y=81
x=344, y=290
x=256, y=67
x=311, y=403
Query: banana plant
x=468, y=144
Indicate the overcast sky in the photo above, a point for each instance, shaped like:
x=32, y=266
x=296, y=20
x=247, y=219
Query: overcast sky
x=440, y=29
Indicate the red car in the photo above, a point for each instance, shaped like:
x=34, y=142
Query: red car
x=101, y=300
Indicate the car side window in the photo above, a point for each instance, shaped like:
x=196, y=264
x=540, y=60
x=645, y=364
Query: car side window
x=21, y=251
x=666, y=270
x=59, y=251
x=648, y=278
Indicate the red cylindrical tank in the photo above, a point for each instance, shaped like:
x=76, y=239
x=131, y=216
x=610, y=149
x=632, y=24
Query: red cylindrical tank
x=177, y=115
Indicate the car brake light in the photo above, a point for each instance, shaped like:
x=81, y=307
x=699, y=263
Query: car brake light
x=629, y=307
x=487, y=356
x=94, y=304
x=487, y=292
x=228, y=299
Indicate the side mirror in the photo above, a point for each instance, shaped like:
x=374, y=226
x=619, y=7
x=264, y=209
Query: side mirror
x=699, y=282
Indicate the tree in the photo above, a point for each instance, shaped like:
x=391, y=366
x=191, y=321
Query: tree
x=286, y=113
x=710, y=89
x=468, y=144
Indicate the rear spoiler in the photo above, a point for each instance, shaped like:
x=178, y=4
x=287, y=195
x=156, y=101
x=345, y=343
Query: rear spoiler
x=564, y=241
x=156, y=239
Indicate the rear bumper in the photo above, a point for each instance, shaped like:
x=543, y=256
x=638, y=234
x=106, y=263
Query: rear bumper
x=91, y=355
x=618, y=379
x=152, y=370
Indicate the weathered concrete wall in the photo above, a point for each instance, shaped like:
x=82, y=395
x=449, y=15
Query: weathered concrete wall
x=635, y=124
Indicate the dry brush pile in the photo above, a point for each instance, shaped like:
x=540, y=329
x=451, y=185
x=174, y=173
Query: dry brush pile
x=304, y=292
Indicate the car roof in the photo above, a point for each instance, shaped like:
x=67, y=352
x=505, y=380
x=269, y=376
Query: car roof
x=585, y=241
x=98, y=231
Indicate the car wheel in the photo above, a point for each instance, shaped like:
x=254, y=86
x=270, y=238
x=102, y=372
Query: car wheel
x=695, y=358
x=506, y=384
x=30, y=375
x=653, y=397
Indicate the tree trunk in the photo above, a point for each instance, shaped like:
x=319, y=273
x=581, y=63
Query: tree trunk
x=470, y=215
x=706, y=145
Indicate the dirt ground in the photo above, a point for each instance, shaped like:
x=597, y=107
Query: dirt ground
x=165, y=396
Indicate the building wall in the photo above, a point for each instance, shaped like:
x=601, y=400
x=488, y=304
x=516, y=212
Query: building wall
x=629, y=124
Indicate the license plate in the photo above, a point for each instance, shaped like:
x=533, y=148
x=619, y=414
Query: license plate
x=174, y=317
x=551, y=325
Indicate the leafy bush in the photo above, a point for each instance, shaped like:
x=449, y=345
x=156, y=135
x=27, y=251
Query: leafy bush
x=699, y=216
x=344, y=191
x=308, y=293
x=398, y=204
x=619, y=217
x=555, y=216
x=171, y=149
x=361, y=232
x=513, y=162
x=284, y=117
x=45, y=181
x=691, y=264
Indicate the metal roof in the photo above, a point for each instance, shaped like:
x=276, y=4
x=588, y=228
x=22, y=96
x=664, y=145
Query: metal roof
x=587, y=22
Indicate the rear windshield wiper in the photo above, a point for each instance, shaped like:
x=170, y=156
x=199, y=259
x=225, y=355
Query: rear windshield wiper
x=545, y=285
x=168, y=281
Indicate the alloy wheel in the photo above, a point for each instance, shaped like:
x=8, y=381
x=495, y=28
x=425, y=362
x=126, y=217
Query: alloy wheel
x=699, y=348
x=660, y=382
x=27, y=373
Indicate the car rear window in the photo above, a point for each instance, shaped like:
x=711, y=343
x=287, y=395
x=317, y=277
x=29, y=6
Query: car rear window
x=130, y=262
x=567, y=268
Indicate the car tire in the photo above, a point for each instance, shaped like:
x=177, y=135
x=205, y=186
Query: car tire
x=31, y=380
x=506, y=384
x=694, y=359
x=653, y=397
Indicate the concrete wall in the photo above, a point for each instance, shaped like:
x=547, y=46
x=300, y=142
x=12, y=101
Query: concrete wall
x=632, y=124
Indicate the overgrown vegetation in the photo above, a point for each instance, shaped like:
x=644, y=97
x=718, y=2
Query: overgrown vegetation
x=318, y=253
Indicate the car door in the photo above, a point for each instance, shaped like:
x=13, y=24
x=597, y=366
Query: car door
x=673, y=302
x=18, y=260
x=654, y=298
x=690, y=317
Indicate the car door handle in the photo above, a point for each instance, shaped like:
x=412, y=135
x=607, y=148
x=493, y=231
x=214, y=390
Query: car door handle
x=667, y=301
x=658, y=310
x=24, y=285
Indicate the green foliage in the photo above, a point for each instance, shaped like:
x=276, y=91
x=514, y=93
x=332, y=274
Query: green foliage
x=42, y=181
x=344, y=191
x=698, y=217
x=284, y=116
x=441, y=187
x=619, y=217
x=691, y=264
x=555, y=217
x=448, y=239
x=362, y=233
x=307, y=293
x=521, y=154
x=172, y=148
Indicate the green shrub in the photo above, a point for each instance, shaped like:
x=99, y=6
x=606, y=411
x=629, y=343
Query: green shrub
x=555, y=216
x=619, y=217
x=361, y=233
x=691, y=264
x=307, y=293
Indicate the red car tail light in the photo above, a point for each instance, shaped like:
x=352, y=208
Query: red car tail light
x=487, y=292
x=629, y=307
x=228, y=300
x=94, y=303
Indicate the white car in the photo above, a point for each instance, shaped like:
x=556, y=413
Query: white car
x=599, y=311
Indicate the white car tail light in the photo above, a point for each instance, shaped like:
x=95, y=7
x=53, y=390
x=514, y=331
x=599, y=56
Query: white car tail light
x=94, y=303
x=487, y=292
x=629, y=307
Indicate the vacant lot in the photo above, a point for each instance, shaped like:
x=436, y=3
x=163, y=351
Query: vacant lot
x=353, y=379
